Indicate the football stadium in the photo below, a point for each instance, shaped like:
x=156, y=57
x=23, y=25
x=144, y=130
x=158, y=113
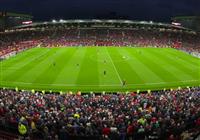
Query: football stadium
x=101, y=60
x=105, y=79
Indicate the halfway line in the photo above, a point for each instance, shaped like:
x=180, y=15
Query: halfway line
x=114, y=67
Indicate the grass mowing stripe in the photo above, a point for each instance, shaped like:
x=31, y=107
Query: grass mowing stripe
x=184, y=55
x=124, y=68
x=38, y=85
x=142, y=70
x=185, y=61
x=10, y=74
x=88, y=73
x=70, y=70
x=181, y=60
x=19, y=58
x=182, y=71
x=56, y=72
x=110, y=77
x=153, y=64
x=67, y=76
x=29, y=65
x=113, y=66
x=167, y=65
x=52, y=68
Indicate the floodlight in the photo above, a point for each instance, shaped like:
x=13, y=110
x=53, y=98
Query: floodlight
x=61, y=20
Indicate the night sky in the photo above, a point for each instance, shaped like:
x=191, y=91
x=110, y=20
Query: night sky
x=156, y=10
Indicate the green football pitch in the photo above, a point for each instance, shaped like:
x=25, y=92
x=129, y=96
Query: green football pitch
x=100, y=69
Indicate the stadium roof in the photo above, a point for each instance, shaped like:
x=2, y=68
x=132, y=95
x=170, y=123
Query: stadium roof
x=101, y=22
x=186, y=17
x=2, y=13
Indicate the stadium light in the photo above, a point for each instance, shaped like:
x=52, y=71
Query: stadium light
x=54, y=21
x=96, y=20
x=80, y=21
x=127, y=21
x=110, y=21
x=142, y=22
x=61, y=20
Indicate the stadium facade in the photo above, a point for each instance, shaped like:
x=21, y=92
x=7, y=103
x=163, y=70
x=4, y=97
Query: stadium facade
x=9, y=19
x=191, y=22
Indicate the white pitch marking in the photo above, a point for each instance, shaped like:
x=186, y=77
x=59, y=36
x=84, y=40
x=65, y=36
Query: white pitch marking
x=26, y=83
x=114, y=67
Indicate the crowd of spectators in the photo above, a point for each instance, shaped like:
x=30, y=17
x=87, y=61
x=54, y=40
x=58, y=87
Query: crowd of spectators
x=116, y=37
x=14, y=42
x=20, y=40
x=170, y=115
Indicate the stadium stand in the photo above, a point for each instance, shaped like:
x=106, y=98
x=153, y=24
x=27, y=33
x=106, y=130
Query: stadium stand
x=166, y=115
x=157, y=115
x=19, y=40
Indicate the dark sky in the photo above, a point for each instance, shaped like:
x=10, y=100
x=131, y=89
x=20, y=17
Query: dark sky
x=157, y=10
